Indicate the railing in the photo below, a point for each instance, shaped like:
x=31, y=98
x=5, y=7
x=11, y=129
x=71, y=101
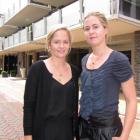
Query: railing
x=23, y=3
x=6, y=43
x=16, y=5
x=10, y=41
x=19, y=37
x=16, y=38
x=24, y=35
x=40, y=28
x=1, y=20
x=71, y=14
x=14, y=8
x=53, y=19
x=102, y=6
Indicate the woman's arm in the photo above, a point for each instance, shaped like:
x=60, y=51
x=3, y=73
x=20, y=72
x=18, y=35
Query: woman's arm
x=129, y=92
x=30, y=100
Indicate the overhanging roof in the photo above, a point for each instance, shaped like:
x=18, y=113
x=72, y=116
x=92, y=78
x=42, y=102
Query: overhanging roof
x=122, y=25
x=26, y=16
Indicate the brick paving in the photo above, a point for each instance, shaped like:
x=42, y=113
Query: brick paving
x=11, y=110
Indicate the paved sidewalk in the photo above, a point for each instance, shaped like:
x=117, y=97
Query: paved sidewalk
x=11, y=110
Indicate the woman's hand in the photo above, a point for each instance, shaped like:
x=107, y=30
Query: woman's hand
x=115, y=138
x=118, y=138
x=28, y=137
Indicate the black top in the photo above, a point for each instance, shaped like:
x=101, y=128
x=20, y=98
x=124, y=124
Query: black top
x=101, y=87
x=46, y=98
x=61, y=99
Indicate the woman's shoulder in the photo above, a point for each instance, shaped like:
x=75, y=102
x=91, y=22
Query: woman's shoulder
x=75, y=70
x=119, y=56
x=36, y=66
x=37, y=63
x=85, y=57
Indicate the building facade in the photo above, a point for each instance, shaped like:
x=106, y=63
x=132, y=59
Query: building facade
x=25, y=24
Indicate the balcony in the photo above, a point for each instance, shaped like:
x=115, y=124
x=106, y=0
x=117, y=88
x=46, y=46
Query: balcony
x=118, y=23
x=126, y=17
x=22, y=15
x=122, y=15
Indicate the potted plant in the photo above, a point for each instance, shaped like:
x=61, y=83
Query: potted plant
x=4, y=74
x=0, y=70
x=13, y=73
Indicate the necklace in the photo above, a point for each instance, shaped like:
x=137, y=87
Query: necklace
x=60, y=77
x=93, y=61
x=59, y=72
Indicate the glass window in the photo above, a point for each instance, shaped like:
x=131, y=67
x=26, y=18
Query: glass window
x=53, y=19
x=39, y=28
x=130, y=8
x=102, y=6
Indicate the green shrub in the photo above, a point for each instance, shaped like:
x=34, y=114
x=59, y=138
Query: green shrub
x=13, y=73
x=0, y=71
x=4, y=74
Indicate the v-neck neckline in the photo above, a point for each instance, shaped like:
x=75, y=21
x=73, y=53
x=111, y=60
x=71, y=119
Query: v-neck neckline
x=53, y=78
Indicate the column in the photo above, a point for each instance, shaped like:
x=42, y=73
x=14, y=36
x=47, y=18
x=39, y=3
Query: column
x=137, y=61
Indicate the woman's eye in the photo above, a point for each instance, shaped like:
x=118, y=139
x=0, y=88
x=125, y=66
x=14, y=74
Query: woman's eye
x=66, y=42
x=95, y=26
x=56, y=42
x=86, y=29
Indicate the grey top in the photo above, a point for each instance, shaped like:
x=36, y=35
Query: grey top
x=100, y=87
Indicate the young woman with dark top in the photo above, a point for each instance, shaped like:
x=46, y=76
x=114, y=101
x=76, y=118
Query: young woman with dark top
x=104, y=72
x=51, y=92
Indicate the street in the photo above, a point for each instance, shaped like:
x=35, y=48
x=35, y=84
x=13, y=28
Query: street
x=11, y=110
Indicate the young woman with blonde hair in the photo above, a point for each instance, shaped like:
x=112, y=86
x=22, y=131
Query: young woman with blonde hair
x=51, y=92
x=104, y=72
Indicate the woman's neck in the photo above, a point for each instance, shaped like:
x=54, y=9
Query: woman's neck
x=58, y=61
x=100, y=50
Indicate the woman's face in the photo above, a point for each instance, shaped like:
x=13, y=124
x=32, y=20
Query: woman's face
x=95, y=32
x=60, y=44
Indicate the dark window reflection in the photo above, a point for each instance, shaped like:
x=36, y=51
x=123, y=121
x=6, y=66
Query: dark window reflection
x=130, y=8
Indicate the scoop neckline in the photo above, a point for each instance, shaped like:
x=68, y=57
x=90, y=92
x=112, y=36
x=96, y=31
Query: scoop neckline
x=101, y=65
